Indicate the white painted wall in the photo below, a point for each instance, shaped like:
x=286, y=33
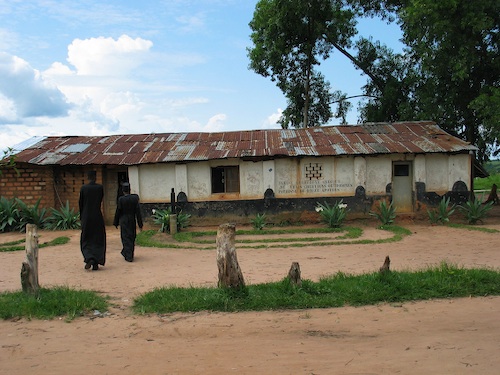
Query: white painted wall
x=378, y=174
x=299, y=177
x=459, y=169
x=251, y=180
x=199, y=181
x=436, y=172
x=156, y=182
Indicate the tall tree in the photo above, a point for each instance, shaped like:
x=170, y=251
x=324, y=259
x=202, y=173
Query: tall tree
x=290, y=39
x=450, y=71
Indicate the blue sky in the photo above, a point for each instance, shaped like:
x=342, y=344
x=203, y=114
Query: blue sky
x=90, y=67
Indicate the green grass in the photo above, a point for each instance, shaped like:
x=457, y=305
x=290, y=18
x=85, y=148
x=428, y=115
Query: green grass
x=472, y=227
x=261, y=239
x=444, y=281
x=14, y=245
x=487, y=182
x=50, y=303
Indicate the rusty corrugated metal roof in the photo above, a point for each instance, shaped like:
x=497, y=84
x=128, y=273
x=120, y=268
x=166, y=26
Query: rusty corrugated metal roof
x=133, y=149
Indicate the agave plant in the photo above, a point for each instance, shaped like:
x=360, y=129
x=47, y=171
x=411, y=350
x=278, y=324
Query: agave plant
x=9, y=215
x=442, y=213
x=31, y=214
x=64, y=218
x=332, y=216
x=259, y=221
x=162, y=218
x=386, y=213
x=475, y=211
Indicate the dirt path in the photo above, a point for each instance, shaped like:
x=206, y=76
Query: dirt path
x=429, y=337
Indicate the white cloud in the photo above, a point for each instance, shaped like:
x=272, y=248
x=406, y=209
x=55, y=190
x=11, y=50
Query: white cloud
x=107, y=56
x=215, y=123
x=26, y=92
x=121, y=104
x=191, y=23
x=271, y=121
x=8, y=112
x=184, y=102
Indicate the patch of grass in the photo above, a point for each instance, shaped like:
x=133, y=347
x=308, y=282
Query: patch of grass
x=443, y=281
x=50, y=303
x=14, y=245
x=145, y=238
x=487, y=182
x=262, y=239
x=472, y=227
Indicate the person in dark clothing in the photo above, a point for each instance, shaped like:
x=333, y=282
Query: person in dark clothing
x=127, y=212
x=93, y=236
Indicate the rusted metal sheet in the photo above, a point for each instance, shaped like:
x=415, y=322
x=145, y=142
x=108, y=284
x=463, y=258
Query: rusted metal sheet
x=134, y=149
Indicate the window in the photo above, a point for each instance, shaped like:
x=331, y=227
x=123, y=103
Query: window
x=401, y=170
x=225, y=180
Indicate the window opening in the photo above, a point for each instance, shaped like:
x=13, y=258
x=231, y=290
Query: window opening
x=225, y=179
x=401, y=170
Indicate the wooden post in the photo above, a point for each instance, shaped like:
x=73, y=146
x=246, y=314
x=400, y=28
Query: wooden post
x=173, y=224
x=29, y=269
x=230, y=275
x=386, y=266
x=294, y=274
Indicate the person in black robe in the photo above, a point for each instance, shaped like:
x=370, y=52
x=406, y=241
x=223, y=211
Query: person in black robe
x=93, y=236
x=128, y=213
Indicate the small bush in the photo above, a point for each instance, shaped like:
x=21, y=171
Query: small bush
x=386, y=213
x=31, y=215
x=334, y=216
x=442, y=213
x=10, y=216
x=64, y=218
x=475, y=211
x=162, y=218
x=259, y=221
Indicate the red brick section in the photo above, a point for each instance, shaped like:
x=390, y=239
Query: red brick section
x=53, y=184
x=28, y=183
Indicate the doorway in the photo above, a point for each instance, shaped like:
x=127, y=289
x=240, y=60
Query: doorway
x=402, y=186
x=122, y=177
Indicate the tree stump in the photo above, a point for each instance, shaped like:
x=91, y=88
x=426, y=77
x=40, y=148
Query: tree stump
x=385, y=267
x=29, y=269
x=230, y=275
x=294, y=274
x=493, y=197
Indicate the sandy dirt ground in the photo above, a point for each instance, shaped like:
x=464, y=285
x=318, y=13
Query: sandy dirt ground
x=451, y=336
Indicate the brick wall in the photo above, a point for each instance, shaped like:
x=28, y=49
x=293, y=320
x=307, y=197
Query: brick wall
x=29, y=184
x=53, y=184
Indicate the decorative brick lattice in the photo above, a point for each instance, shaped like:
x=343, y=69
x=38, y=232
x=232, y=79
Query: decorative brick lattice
x=314, y=171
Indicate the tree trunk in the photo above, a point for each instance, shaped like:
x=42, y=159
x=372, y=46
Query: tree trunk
x=230, y=275
x=29, y=269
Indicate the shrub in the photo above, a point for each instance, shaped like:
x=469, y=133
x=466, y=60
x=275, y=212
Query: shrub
x=31, y=215
x=442, y=213
x=475, y=211
x=162, y=218
x=259, y=221
x=64, y=218
x=386, y=213
x=334, y=216
x=9, y=215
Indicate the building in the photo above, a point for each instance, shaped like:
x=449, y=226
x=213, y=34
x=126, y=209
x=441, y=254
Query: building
x=243, y=173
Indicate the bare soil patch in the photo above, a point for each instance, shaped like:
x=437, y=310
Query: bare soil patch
x=458, y=336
